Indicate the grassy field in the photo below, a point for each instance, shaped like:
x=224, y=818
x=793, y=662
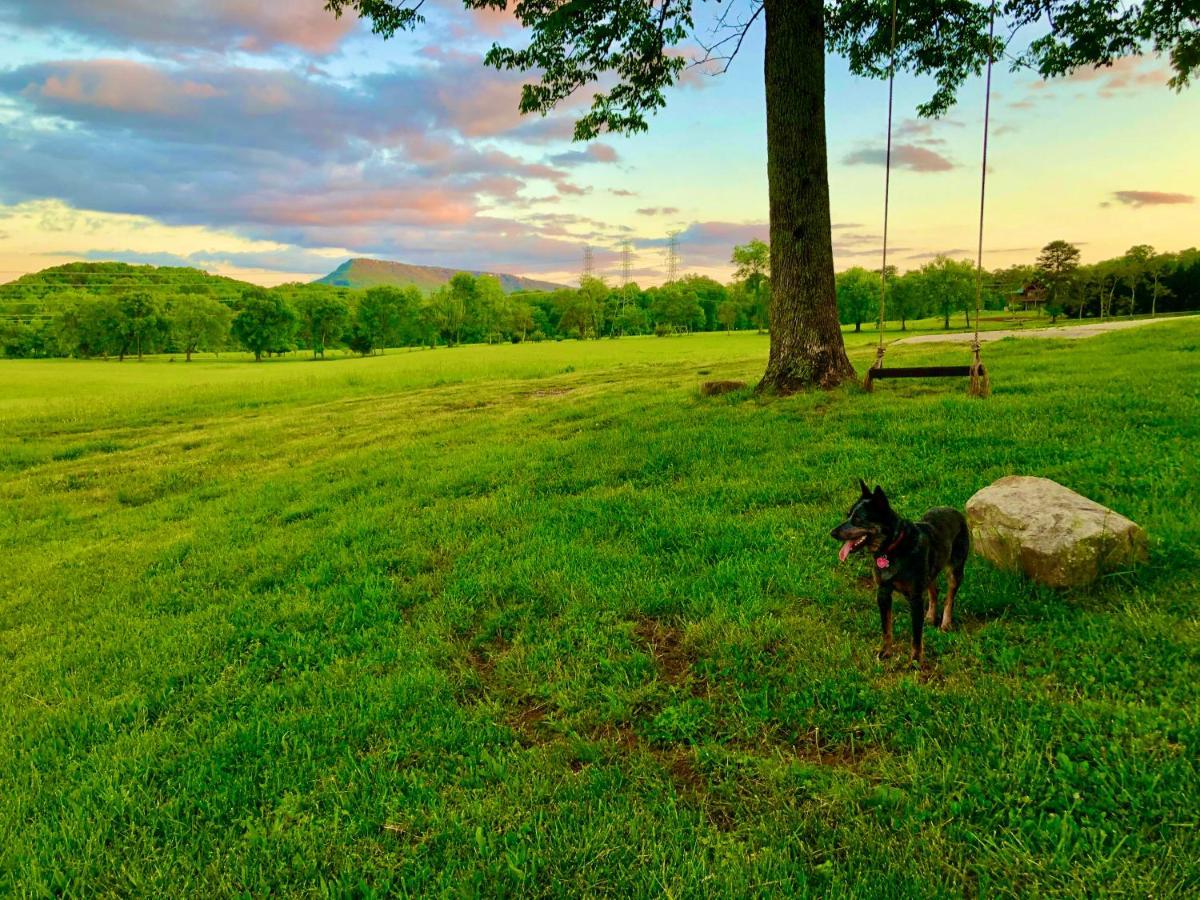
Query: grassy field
x=538, y=619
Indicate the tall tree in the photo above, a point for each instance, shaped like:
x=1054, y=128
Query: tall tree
x=1161, y=265
x=632, y=48
x=752, y=268
x=857, y=296
x=198, y=322
x=677, y=307
x=1135, y=267
x=264, y=322
x=91, y=326
x=1056, y=266
x=323, y=316
x=143, y=325
x=949, y=286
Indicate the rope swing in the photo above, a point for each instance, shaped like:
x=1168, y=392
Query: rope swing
x=980, y=386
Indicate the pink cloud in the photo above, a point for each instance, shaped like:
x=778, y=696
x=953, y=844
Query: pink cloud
x=305, y=24
x=120, y=85
x=1127, y=74
x=1139, y=199
x=352, y=205
x=904, y=156
x=254, y=26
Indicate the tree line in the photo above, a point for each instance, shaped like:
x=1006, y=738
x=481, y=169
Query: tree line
x=120, y=318
x=1142, y=281
x=108, y=310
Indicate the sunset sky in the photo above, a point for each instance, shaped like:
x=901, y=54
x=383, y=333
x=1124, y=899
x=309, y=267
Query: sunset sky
x=265, y=140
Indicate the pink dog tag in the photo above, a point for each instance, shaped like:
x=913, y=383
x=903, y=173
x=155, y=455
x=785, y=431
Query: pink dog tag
x=882, y=562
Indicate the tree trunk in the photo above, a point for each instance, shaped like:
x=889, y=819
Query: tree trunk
x=187, y=355
x=806, y=338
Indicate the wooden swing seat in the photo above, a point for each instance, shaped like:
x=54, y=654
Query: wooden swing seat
x=922, y=372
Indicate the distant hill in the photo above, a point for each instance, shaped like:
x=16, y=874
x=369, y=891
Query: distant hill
x=367, y=273
x=39, y=292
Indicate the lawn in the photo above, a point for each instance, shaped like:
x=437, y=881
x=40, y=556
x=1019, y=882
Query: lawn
x=538, y=619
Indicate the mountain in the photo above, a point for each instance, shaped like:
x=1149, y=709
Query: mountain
x=367, y=273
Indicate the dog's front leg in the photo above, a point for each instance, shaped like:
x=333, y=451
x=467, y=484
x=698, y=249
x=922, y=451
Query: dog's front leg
x=915, y=607
x=883, y=596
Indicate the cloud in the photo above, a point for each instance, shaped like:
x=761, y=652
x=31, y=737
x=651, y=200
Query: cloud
x=621, y=192
x=287, y=260
x=1127, y=74
x=378, y=166
x=954, y=253
x=251, y=26
x=708, y=244
x=700, y=68
x=593, y=153
x=546, y=130
x=922, y=131
x=489, y=20
x=1138, y=199
x=904, y=156
x=114, y=86
x=658, y=210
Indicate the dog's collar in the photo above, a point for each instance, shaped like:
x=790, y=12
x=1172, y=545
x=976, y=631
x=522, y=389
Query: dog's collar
x=882, y=561
x=896, y=543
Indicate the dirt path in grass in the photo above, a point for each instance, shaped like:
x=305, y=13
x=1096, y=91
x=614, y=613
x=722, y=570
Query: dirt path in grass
x=1066, y=332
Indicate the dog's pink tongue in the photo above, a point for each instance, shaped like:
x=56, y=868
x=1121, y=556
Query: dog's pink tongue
x=845, y=551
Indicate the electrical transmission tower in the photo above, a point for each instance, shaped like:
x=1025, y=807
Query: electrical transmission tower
x=589, y=263
x=672, y=256
x=626, y=271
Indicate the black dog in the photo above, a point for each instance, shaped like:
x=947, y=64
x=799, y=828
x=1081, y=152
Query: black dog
x=908, y=557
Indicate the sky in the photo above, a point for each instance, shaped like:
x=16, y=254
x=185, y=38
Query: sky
x=265, y=140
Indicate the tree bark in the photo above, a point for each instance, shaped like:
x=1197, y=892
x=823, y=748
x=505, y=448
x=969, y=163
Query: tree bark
x=806, y=338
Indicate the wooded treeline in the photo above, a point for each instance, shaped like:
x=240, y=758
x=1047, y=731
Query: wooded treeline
x=1140, y=282
x=117, y=310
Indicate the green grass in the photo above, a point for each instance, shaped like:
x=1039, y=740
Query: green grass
x=538, y=619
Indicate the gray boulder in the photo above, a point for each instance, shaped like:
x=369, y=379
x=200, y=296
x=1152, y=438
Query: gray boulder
x=1050, y=533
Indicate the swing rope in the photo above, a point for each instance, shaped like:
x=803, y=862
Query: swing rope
x=887, y=190
x=980, y=385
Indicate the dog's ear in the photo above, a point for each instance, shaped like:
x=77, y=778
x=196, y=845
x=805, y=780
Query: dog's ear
x=879, y=498
x=866, y=491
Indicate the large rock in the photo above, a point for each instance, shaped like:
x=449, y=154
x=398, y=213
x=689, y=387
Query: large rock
x=1051, y=533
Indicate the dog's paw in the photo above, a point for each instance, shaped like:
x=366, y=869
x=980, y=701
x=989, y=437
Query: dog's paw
x=946, y=626
x=883, y=653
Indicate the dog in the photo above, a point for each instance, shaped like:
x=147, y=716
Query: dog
x=907, y=558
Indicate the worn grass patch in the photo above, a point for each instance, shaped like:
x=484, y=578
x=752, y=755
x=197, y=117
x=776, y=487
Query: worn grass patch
x=540, y=619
